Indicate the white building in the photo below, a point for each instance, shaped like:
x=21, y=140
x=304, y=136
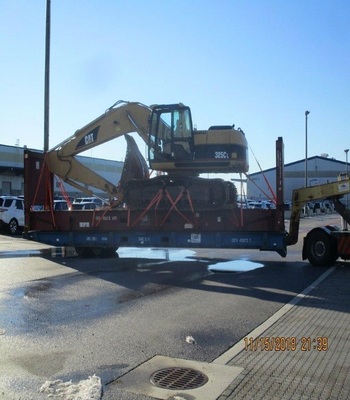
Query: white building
x=319, y=170
x=12, y=171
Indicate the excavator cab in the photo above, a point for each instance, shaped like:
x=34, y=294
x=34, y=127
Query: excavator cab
x=174, y=146
x=171, y=135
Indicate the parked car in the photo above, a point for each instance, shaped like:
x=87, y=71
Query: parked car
x=89, y=205
x=96, y=200
x=258, y=205
x=287, y=205
x=11, y=213
x=319, y=207
x=328, y=206
x=59, y=205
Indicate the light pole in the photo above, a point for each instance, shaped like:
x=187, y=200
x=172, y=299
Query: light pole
x=306, y=114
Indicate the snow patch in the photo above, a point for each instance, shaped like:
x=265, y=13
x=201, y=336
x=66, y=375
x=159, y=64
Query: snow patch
x=88, y=389
x=234, y=266
x=190, y=339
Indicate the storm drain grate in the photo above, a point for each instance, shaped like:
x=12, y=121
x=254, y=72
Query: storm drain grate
x=177, y=378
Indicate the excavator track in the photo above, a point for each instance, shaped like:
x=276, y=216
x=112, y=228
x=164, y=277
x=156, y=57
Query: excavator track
x=186, y=193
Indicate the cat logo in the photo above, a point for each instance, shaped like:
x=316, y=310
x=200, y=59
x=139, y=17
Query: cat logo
x=89, y=139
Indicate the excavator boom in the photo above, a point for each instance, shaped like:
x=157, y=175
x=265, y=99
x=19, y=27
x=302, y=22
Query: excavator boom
x=118, y=120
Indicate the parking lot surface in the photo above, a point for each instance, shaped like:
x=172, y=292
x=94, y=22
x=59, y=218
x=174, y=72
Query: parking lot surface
x=102, y=329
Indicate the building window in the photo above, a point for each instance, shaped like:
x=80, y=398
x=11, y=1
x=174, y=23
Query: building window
x=6, y=188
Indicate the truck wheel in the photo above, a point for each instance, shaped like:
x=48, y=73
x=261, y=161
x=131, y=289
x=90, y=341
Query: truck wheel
x=13, y=226
x=320, y=248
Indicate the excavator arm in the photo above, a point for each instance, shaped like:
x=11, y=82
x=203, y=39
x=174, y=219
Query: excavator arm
x=120, y=119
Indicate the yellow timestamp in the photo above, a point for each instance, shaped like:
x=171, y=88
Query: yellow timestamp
x=281, y=343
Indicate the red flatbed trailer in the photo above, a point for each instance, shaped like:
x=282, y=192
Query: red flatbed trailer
x=104, y=230
x=101, y=232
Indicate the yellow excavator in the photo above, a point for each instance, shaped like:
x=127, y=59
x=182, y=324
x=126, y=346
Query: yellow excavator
x=174, y=148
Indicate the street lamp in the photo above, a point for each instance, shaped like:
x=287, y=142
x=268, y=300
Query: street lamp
x=306, y=114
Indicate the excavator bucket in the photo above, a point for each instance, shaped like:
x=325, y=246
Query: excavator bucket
x=135, y=165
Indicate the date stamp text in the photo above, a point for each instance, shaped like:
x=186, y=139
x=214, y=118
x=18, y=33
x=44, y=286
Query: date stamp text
x=281, y=343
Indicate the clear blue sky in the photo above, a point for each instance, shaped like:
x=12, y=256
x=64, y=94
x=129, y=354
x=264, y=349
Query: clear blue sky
x=256, y=63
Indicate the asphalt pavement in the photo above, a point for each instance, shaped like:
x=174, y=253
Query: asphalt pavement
x=300, y=352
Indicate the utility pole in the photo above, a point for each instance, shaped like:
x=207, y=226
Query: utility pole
x=47, y=77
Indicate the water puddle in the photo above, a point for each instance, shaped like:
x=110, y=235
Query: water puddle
x=235, y=266
x=36, y=289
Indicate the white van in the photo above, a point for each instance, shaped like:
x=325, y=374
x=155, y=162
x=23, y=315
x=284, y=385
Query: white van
x=11, y=213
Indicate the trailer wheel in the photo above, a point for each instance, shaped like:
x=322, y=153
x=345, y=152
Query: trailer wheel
x=320, y=248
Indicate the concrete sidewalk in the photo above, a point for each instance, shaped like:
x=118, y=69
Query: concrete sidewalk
x=16, y=244
x=304, y=354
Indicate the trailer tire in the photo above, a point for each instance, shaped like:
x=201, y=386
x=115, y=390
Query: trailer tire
x=320, y=248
